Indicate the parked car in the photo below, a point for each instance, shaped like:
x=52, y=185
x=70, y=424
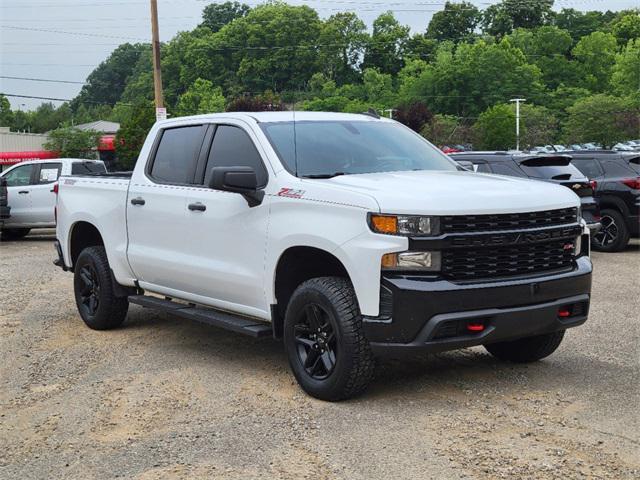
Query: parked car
x=348, y=236
x=31, y=192
x=616, y=177
x=5, y=210
x=553, y=168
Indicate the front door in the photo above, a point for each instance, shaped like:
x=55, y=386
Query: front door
x=227, y=238
x=19, y=188
x=43, y=198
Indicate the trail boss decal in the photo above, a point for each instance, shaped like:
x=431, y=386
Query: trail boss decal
x=290, y=193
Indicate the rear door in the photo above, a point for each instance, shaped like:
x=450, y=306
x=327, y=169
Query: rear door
x=157, y=210
x=43, y=198
x=19, y=185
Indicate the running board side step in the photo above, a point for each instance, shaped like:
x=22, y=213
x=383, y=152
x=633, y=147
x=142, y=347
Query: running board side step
x=247, y=326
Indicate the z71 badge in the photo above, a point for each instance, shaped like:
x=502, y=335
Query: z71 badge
x=290, y=193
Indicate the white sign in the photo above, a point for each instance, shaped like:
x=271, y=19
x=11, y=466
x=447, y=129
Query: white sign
x=161, y=113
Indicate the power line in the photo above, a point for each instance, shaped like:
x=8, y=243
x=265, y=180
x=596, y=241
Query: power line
x=42, y=80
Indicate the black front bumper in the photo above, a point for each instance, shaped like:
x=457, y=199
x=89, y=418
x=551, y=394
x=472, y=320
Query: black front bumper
x=423, y=315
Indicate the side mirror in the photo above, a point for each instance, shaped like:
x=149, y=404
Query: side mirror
x=242, y=180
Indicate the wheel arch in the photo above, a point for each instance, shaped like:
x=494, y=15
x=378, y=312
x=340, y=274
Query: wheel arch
x=82, y=235
x=295, y=265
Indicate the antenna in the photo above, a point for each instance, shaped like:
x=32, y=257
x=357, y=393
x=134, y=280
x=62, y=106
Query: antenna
x=295, y=140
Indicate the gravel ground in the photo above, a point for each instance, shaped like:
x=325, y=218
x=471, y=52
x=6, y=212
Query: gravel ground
x=165, y=398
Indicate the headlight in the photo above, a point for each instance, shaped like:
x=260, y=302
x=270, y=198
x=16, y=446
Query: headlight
x=409, y=225
x=422, y=261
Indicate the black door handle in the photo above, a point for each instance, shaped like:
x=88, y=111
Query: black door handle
x=137, y=201
x=197, y=207
x=23, y=192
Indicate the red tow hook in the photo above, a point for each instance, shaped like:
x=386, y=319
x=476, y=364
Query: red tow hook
x=564, y=312
x=475, y=327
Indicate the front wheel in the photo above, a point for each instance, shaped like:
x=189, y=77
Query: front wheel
x=328, y=353
x=525, y=350
x=93, y=284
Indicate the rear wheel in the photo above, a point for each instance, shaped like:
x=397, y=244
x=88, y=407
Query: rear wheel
x=14, y=233
x=99, y=306
x=327, y=350
x=525, y=350
x=614, y=234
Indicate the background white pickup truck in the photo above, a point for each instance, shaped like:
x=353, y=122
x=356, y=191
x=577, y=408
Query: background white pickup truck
x=31, y=193
x=348, y=236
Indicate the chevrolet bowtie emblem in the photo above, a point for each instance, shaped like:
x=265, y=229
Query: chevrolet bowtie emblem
x=576, y=186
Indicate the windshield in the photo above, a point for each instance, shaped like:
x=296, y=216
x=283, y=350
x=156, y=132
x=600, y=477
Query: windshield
x=329, y=148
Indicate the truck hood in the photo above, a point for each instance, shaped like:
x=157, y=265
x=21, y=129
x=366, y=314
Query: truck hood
x=450, y=193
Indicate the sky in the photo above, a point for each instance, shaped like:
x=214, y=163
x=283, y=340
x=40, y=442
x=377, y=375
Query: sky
x=66, y=39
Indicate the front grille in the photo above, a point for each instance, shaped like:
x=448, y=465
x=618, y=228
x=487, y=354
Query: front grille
x=507, y=221
x=507, y=261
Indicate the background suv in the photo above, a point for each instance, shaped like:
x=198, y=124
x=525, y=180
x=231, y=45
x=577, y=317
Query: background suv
x=616, y=178
x=553, y=168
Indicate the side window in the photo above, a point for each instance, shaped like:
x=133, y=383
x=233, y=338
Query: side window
x=19, y=176
x=506, y=169
x=232, y=147
x=589, y=167
x=482, y=167
x=49, y=172
x=617, y=168
x=177, y=154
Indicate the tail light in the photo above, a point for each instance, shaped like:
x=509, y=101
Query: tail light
x=633, y=183
x=593, y=184
x=55, y=188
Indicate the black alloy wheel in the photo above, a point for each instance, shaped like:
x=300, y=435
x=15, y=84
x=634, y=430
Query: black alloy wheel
x=614, y=234
x=89, y=290
x=316, y=342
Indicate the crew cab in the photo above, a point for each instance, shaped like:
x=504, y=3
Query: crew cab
x=347, y=236
x=31, y=192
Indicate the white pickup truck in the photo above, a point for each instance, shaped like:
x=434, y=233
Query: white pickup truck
x=348, y=236
x=31, y=189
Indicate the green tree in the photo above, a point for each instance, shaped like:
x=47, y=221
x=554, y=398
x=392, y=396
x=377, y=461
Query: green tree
x=495, y=128
x=133, y=132
x=386, y=47
x=538, y=125
x=502, y=18
x=73, y=142
x=106, y=83
x=596, y=54
x=201, y=97
x=6, y=114
x=447, y=130
x=217, y=15
x=456, y=22
x=580, y=24
x=626, y=71
x=343, y=39
x=604, y=119
x=626, y=26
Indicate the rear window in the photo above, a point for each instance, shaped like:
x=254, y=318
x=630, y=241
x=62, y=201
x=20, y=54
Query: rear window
x=588, y=166
x=82, y=168
x=550, y=168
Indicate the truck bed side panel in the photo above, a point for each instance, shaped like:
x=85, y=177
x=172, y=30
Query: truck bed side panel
x=100, y=201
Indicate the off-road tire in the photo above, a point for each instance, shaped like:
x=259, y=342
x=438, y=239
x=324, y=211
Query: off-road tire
x=529, y=349
x=353, y=361
x=111, y=309
x=14, y=233
x=622, y=237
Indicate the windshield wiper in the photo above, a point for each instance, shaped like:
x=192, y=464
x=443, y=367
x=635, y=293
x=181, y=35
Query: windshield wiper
x=324, y=175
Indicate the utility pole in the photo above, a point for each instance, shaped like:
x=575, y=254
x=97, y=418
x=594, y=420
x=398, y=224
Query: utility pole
x=161, y=112
x=518, y=100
